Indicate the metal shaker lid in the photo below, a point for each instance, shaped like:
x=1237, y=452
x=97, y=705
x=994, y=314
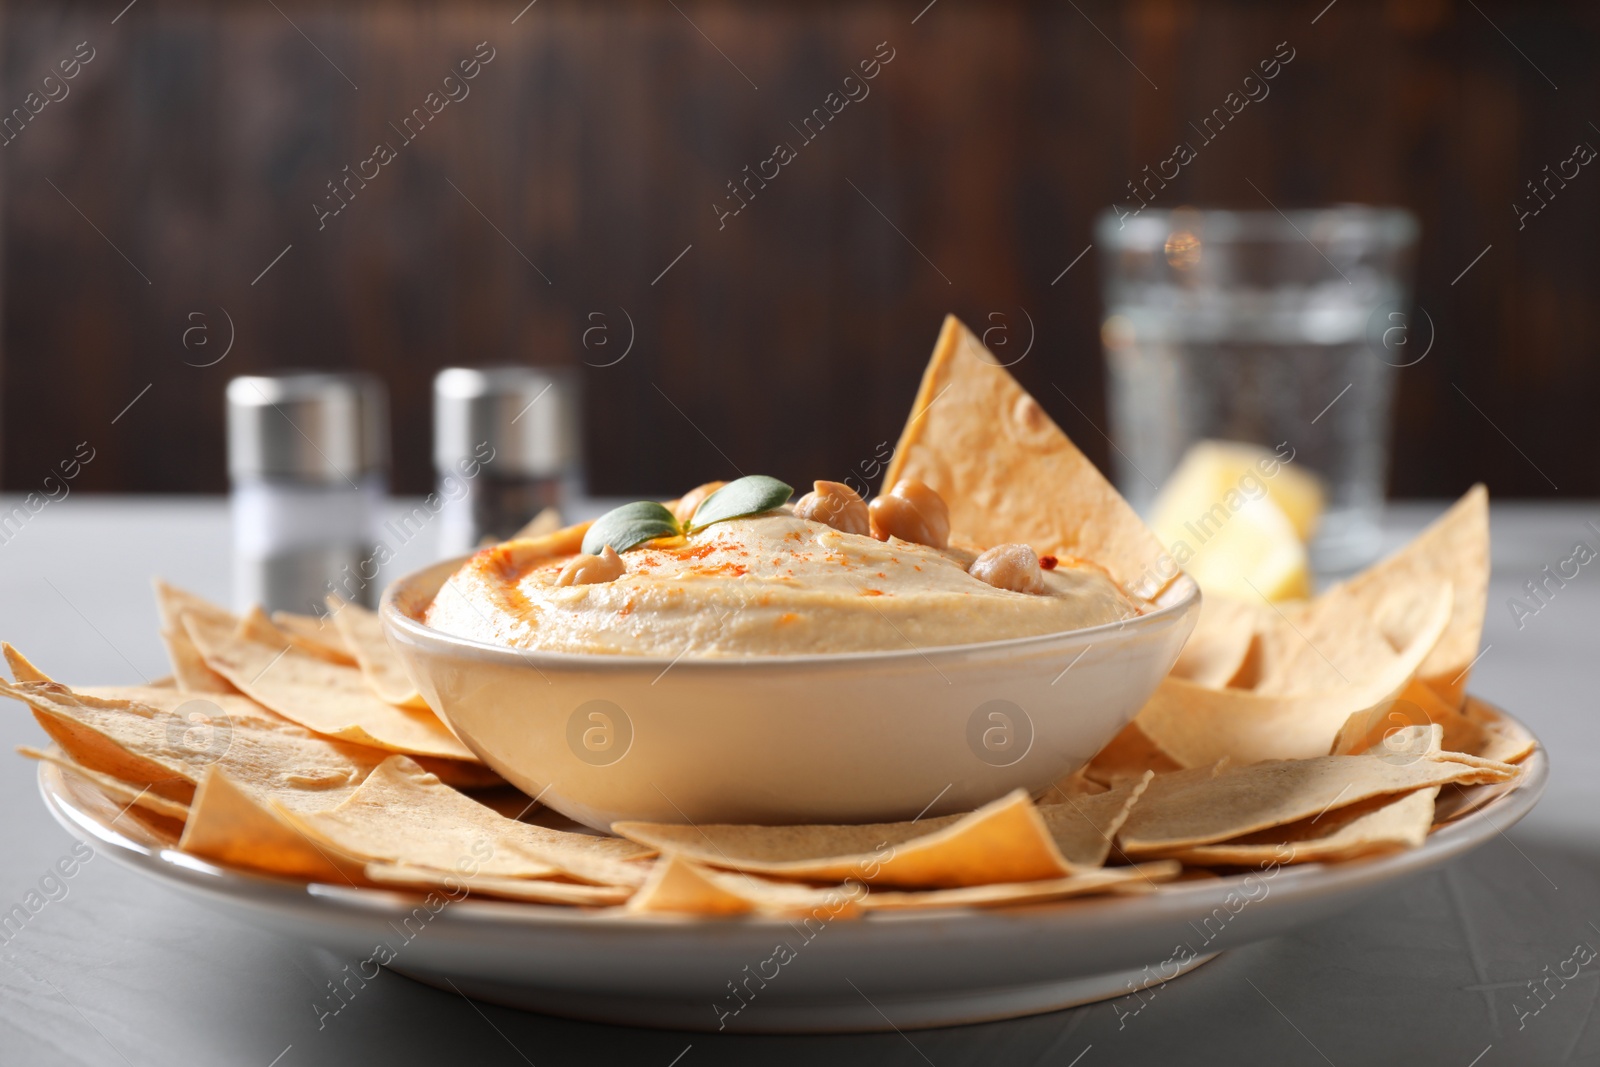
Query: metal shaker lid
x=528, y=415
x=311, y=427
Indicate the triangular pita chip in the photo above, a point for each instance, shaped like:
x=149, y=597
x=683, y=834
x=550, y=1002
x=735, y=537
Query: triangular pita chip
x=232, y=825
x=403, y=815
x=1196, y=725
x=1504, y=738
x=521, y=553
x=1194, y=807
x=132, y=821
x=314, y=634
x=21, y=669
x=680, y=885
x=1454, y=548
x=173, y=603
x=528, y=890
x=320, y=695
x=1219, y=643
x=188, y=666
x=168, y=740
x=362, y=632
x=258, y=626
x=231, y=709
x=128, y=793
x=1379, y=825
x=1128, y=756
x=1323, y=645
x=1457, y=800
x=1084, y=826
x=1417, y=705
x=1142, y=877
x=1005, y=840
x=1008, y=473
x=108, y=737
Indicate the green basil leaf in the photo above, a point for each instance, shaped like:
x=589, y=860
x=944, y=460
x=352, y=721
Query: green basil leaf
x=631, y=524
x=750, y=495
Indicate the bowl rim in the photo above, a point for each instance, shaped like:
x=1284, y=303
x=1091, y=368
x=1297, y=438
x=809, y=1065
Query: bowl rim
x=1183, y=591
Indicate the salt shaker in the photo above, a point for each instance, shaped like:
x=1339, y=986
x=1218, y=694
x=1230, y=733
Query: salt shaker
x=308, y=457
x=505, y=447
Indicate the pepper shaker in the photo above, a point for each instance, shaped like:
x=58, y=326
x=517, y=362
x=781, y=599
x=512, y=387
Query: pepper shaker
x=505, y=447
x=308, y=458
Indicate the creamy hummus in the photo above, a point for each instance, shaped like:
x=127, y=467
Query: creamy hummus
x=772, y=584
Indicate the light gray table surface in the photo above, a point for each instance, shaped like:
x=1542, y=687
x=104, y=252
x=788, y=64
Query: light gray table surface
x=122, y=971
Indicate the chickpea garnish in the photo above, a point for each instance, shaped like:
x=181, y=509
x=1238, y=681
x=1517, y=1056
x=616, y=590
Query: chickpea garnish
x=684, y=509
x=590, y=570
x=835, y=504
x=1013, y=567
x=911, y=511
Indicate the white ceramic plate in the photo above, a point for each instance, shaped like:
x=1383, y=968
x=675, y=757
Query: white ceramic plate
x=889, y=970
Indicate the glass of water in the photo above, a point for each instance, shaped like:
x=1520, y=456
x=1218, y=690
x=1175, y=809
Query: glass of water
x=1264, y=327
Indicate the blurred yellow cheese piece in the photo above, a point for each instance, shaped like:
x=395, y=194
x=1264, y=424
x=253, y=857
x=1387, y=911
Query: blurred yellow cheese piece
x=1237, y=518
x=1210, y=469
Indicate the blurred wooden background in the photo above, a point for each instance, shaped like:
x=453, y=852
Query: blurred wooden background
x=189, y=151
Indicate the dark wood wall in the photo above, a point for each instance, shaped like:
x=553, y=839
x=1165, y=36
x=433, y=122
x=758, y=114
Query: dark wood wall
x=189, y=152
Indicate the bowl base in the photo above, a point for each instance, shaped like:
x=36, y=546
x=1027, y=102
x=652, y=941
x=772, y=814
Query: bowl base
x=850, y=1012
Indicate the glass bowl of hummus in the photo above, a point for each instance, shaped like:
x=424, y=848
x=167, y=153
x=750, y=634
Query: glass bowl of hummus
x=820, y=661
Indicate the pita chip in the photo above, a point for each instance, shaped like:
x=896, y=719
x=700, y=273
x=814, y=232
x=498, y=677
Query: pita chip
x=1417, y=705
x=1006, y=840
x=235, y=826
x=1128, y=756
x=1378, y=824
x=133, y=821
x=456, y=886
x=403, y=815
x=1186, y=809
x=362, y=633
x=21, y=669
x=319, y=695
x=1382, y=824
x=257, y=625
x=128, y=793
x=188, y=666
x=1323, y=645
x=680, y=885
x=985, y=445
x=315, y=635
x=1084, y=826
x=1138, y=878
x=1219, y=644
x=1196, y=725
x=1504, y=739
x=173, y=603
x=167, y=740
x=1454, y=549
